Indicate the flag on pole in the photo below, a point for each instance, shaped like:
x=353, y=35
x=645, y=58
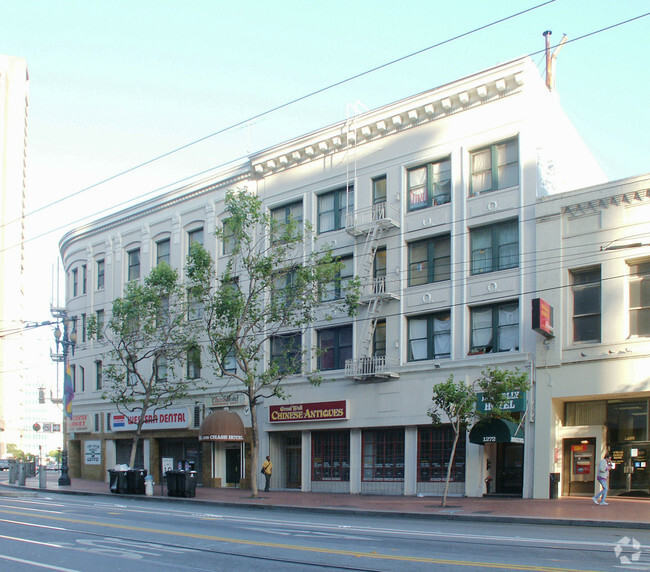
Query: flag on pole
x=68, y=391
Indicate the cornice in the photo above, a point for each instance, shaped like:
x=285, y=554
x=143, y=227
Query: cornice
x=387, y=121
x=595, y=205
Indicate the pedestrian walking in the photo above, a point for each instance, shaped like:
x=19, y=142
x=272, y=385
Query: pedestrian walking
x=267, y=469
x=602, y=475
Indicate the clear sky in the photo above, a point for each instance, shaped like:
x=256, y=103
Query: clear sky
x=115, y=84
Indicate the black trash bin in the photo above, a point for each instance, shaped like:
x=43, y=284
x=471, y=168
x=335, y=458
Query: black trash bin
x=554, y=485
x=181, y=483
x=118, y=481
x=135, y=481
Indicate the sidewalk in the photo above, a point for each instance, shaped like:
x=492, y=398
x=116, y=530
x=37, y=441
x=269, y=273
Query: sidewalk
x=578, y=511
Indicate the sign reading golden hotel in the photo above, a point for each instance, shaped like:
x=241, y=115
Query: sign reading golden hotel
x=321, y=411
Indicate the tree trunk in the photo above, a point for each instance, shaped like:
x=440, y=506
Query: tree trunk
x=254, y=446
x=451, y=462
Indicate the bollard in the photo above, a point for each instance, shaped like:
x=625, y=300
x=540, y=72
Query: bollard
x=22, y=470
x=13, y=472
x=42, y=478
x=148, y=485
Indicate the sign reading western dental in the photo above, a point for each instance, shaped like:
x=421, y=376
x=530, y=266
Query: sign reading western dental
x=513, y=401
x=161, y=419
x=321, y=411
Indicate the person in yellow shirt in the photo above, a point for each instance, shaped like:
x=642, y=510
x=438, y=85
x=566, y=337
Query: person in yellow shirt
x=267, y=469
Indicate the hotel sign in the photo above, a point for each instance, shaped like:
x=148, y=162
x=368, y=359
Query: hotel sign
x=513, y=401
x=320, y=411
x=542, y=317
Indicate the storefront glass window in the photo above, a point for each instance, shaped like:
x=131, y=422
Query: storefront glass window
x=627, y=421
x=434, y=449
x=330, y=455
x=383, y=455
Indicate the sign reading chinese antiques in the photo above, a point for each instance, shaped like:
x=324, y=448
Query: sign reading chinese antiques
x=162, y=419
x=543, y=318
x=321, y=411
x=513, y=401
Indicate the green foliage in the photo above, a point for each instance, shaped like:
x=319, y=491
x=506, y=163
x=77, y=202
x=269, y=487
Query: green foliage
x=496, y=384
x=455, y=400
x=148, y=336
x=15, y=452
x=269, y=286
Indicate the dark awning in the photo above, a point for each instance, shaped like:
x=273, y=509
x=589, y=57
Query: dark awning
x=495, y=430
x=222, y=425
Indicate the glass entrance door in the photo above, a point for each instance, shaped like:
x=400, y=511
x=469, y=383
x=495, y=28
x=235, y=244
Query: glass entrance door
x=293, y=461
x=510, y=469
x=233, y=466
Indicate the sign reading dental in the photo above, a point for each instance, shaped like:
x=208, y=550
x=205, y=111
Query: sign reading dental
x=514, y=401
x=161, y=419
x=321, y=411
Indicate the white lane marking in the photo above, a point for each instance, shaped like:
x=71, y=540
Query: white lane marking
x=37, y=564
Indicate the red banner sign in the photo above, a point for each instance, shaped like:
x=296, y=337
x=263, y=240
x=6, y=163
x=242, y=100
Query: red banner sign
x=322, y=411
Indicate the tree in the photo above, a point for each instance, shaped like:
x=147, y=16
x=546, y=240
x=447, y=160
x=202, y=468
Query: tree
x=15, y=452
x=457, y=402
x=266, y=297
x=149, y=335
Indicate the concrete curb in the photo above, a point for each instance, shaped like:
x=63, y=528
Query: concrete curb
x=452, y=516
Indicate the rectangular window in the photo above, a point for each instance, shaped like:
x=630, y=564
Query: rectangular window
x=133, y=260
x=195, y=308
x=84, y=278
x=495, y=328
x=97, y=428
x=75, y=282
x=99, y=383
x=494, y=247
x=429, y=185
x=640, y=299
x=585, y=287
x=429, y=260
x=286, y=219
x=286, y=353
x=195, y=235
x=379, y=339
x=336, y=289
x=228, y=237
x=160, y=364
x=330, y=456
x=382, y=453
x=83, y=328
x=282, y=292
x=73, y=376
x=230, y=362
x=99, y=315
x=333, y=207
x=194, y=363
x=379, y=271
x=429, y=336
x=434, y=450
x=163, y=251
x=100, y=274
x=495, y=167
x=82, y=378
x=379, y=190
x=336, y=347
x=627, y=421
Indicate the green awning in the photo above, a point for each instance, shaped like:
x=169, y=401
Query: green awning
x=495, y=430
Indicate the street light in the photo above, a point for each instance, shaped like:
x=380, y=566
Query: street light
x=67, y=341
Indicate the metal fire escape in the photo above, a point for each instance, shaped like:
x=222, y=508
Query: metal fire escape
x=376, y=288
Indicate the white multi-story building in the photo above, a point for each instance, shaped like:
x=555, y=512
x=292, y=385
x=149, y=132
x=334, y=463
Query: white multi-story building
x=432, y=201
x=14, y=384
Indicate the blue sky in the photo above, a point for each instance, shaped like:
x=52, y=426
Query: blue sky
x=114, y=84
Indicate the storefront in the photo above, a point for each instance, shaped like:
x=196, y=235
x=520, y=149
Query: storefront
x=222, y=431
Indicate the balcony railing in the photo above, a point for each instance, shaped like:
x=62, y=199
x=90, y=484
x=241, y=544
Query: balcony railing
x=371, y=366
x=362, y=220
x=384, y=287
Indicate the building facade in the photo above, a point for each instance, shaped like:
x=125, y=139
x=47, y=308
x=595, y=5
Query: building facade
x=592, y=383
x=432, y=202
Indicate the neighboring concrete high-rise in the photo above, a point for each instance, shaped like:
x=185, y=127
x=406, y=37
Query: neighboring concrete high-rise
x=14, y=102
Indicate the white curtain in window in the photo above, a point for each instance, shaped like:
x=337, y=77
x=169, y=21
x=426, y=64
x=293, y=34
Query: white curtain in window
x=326, y=218
x=482, y=171
x=442, y=335
x=481, y=327
x=418, y=187
x=508, y=246
x=418, y=339
x=508, y=328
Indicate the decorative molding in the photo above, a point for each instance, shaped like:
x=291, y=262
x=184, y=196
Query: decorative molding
x=590, y=207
